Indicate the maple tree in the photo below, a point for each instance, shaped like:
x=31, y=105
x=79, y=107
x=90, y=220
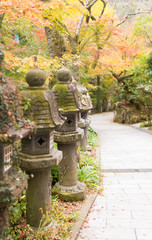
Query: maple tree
x=84, y=35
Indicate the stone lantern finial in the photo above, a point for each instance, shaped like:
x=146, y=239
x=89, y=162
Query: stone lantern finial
x=35, y=77
x=64, y=75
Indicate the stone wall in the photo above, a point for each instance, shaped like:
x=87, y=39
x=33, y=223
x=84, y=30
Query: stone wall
x=130, y=114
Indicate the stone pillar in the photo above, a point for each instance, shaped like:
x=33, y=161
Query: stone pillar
x=68, y=175
x=69, y=188
x=38, y=196
x=84, y=141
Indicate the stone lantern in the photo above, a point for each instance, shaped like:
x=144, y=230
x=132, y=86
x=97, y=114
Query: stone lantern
x=12, y=180
x=84, y=119
x=68, y=188
x=10, y=117
x=38, y=154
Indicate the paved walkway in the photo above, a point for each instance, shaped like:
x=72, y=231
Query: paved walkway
x=125, y=210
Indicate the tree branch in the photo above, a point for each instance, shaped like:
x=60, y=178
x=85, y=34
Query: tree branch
x=81, y=2
x=66, y=2
x=130, y=15
x=1, y=19
x=91, y=4
x=79, y=25
x=64, y=26
x=146, y=31
x=87, y=6
x=121, y=79
x=104, y=6
x=114, y=7
x=87, y=41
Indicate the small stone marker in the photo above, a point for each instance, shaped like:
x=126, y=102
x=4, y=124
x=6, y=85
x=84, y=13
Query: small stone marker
x=84, y=120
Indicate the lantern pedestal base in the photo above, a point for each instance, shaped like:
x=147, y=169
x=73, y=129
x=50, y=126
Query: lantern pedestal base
x=38, y=194
x=70, y=193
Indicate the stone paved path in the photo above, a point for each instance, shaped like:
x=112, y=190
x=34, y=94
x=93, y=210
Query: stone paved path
x=125, y=210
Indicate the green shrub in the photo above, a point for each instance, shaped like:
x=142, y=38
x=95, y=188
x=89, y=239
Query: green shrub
x=55, y=175
x=92, y=137
x=89, y=170
x=146, y=124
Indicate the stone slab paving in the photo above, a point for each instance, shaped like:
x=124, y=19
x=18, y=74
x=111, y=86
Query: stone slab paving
x=124, y=212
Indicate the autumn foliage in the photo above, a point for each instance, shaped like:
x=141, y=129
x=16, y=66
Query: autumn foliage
x=93, y=36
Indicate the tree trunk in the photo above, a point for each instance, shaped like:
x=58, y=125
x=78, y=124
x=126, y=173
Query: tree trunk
x=1, y=19
x=74, y=50
x=99, y=102
x=55, y=41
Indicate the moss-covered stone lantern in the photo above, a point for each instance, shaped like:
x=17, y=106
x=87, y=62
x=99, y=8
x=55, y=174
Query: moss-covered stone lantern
x=84, y=119
x=12, y=128
x=38, y=154
x=68, y=188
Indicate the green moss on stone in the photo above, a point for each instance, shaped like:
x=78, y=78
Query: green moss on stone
x=61, y=89
x=39, y=110
x=69, y=197
x=65, y=98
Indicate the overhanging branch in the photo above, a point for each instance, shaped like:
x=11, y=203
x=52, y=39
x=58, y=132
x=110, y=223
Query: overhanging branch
x=88, y=6
x=131, y=15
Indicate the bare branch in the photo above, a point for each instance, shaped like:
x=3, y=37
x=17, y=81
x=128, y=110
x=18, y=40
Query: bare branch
x=104, y=6
x=121, y=78
x=81, y=2
x=114, y=7
x=79, y=25
x=150, y=40
x=87, y=41
x=66, y=2
x=88, y=7
x=131, y=15
x=64, y=26
x=82, y=16
x=1, y=19
x=91, y=4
